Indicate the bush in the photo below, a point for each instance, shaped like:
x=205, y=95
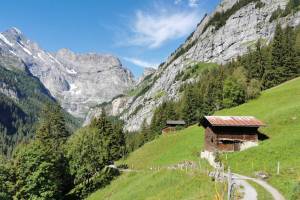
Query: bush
x=253, y=89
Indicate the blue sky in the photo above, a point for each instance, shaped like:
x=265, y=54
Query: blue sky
x=141, y=33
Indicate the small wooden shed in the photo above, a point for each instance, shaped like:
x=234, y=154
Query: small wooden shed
x=172, y=125
x=230, y=133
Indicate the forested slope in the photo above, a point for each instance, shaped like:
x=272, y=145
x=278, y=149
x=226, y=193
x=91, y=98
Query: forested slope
x=22, y=97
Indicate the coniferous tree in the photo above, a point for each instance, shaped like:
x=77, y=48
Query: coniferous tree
x=278, y=53
x=146, y=133
x=258, y=62
x=190, y=106
x=273, y=75
x=52, y=130
x=291, y=63
x=117, y=139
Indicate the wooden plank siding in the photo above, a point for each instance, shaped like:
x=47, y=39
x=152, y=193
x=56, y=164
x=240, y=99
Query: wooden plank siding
x=230, y=133
x=228, y=139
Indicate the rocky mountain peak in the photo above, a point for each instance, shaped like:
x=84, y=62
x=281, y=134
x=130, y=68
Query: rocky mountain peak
x=13, y=31
x=88, y=61
x=12, y=36
x=77, y=81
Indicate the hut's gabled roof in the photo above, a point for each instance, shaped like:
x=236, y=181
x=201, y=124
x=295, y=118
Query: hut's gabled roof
x=246, y=121
x=175, y=122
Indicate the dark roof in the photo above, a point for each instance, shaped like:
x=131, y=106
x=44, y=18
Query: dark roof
x=175, y=122
x=246, y=121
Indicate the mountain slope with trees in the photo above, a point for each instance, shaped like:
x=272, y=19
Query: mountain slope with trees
x=22, y=98
x=229, y=85
x=278, y=107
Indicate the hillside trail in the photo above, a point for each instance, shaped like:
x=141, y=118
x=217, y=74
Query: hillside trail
x=249, y=191
x=273, y=191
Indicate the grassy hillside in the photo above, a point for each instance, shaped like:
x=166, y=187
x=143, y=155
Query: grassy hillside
x=168, y=150
x=278, y=107
x=164, y=185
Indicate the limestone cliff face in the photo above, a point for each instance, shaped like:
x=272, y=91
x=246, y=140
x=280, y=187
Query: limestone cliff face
x=242, y=30
x=77, y=81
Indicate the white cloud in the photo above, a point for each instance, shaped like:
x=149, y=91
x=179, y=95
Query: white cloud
x=141, y=63
x=177, y=2
x=154, y=29
x=190, y=3
x=193, y=3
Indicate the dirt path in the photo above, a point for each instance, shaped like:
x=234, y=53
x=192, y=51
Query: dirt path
x=249, y=192
x=273, y=191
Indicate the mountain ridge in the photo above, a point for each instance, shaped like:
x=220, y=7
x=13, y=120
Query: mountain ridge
x=77, y=81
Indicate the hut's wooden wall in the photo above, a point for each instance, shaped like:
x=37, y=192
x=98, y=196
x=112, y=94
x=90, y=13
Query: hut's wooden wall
x=168, y=130
x=228, y=138
x=210, y=140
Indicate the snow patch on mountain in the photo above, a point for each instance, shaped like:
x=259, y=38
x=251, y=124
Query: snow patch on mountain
x=3, y=38
x=71, y=71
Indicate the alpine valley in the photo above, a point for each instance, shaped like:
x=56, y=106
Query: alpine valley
x=81, y=126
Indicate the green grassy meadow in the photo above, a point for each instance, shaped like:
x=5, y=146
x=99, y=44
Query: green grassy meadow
x=160, y=183
x=168, y=149
x=278, y=107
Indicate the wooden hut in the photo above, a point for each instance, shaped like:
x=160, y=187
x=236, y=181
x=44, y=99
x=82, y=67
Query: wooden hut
x=230, y=133
x=172, y=125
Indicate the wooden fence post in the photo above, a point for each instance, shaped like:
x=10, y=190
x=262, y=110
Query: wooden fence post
x=229, y=184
